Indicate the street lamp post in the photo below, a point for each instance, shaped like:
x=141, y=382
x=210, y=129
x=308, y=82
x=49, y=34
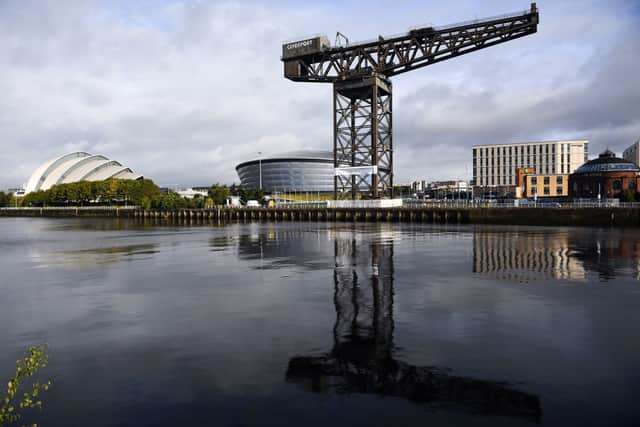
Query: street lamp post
x=260, y=166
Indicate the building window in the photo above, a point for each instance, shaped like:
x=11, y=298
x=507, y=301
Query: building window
x=558, y=190
x=546, y=180
x=559, y=180
x=534, y=181
x=632, y=184
x=617, y=185
x=546, y=191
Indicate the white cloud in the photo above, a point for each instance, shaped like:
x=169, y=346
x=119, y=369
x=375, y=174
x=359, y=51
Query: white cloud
x=183, y=91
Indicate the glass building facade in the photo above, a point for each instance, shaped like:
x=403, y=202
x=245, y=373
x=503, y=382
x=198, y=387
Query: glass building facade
x=297, y=171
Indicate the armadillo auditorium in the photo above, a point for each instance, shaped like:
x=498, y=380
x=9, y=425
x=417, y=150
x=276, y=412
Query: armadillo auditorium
x=75, y=167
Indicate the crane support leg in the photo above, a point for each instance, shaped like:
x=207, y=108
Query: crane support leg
x=363, y=137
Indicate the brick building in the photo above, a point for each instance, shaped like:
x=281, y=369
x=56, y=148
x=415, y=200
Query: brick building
x=606, y=177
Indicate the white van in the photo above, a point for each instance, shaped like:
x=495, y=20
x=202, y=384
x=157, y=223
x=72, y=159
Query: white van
x=253, y=204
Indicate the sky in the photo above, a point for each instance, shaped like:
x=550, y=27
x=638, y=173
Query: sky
x=183, y=91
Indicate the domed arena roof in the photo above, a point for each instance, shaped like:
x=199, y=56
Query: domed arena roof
x=75, y=167
x=289, y=171
x=607, y=162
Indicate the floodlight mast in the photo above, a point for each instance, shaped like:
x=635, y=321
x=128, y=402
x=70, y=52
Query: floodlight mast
x=362, y=101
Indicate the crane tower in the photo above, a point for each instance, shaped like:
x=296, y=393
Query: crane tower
x=362, y=92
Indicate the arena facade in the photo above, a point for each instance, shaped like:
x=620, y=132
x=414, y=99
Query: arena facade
x=294, y=171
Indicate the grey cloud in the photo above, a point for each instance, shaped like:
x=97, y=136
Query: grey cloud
x=183, y=92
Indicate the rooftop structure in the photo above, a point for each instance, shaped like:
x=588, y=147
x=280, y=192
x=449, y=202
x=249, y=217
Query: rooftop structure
x=75, y=167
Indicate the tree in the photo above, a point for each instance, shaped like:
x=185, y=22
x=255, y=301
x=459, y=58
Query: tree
x=145, y=202
x=4, y=199
x=629, y=196
x=102, y=192
x=219, y=194
x=251, y=195
x=36, y=358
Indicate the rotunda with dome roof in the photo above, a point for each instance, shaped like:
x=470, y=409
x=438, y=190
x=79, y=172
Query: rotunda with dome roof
x=605, y=177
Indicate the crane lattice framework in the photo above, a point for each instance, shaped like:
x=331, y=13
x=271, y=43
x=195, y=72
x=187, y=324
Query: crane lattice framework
x=362, y=91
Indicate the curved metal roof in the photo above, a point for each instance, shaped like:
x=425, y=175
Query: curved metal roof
x=299, y=155
x=74, y=167
x=608, y=162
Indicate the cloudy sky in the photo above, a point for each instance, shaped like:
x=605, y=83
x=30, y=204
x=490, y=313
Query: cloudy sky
x=181, y=91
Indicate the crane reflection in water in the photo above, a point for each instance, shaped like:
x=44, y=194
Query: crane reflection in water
x=362, y=358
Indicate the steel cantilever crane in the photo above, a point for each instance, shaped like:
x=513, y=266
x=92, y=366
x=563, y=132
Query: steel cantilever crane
x=363, y=148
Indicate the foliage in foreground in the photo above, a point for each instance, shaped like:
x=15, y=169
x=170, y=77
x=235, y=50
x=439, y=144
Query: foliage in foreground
x=6, y=199
x=142, y=192
x=116, y=191
x=35, y=358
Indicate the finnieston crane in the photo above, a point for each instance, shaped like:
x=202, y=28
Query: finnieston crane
x=362, y=102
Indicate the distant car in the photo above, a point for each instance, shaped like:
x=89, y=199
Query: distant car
x=253, y=204
x=552, y=205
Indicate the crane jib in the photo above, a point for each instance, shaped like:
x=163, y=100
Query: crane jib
x=362, y=90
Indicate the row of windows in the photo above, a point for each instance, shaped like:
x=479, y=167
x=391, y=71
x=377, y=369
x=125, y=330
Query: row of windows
x=546, y=190
x=521, y=149
x=522, y=161
x=546, y=180
x=617, y=185
x=512, y=181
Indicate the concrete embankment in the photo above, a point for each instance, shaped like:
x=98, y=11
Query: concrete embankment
x=622, y=217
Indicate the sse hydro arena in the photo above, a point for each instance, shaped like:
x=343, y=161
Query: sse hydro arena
x=295, y=171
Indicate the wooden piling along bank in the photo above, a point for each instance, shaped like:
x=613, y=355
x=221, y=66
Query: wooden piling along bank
x=627, y=217
x=312, y=214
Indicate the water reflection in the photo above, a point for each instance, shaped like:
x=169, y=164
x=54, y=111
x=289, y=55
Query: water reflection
x=362, y=358
x=99, y=255
x=566, y=254
x=519, y=255
x=277, y=248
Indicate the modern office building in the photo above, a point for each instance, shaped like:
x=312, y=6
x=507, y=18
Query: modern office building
x=495, y=166
x=607, y=177
x=632, y=153
x=75, y=167
x=296, y=171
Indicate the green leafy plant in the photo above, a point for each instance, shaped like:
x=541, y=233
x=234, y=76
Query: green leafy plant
x=35, y=358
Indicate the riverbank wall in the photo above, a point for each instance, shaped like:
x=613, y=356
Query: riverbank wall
x=598, y=216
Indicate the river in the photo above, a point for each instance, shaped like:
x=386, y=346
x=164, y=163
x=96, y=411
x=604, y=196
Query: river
x=316, y=324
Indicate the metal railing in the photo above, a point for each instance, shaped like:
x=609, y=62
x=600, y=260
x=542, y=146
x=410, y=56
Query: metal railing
x=63, y=208
x=539, y=204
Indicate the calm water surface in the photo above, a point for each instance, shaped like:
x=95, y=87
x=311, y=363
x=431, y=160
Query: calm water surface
x=314, y=324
